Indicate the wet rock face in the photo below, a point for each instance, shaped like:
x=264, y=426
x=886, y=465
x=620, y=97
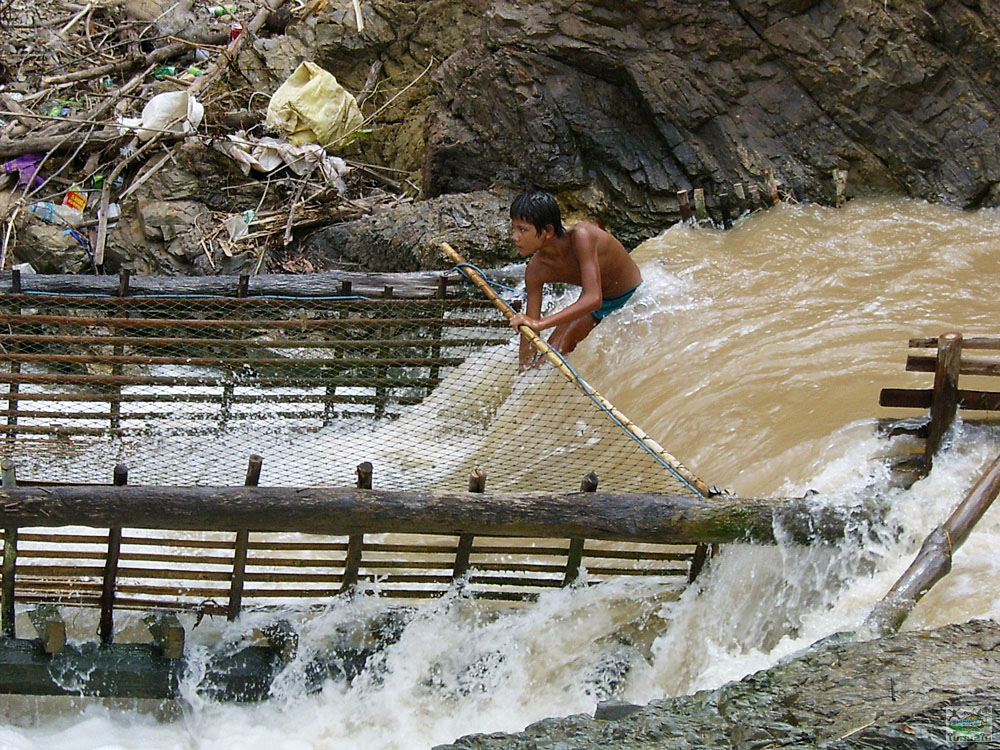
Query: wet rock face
x=899, y=691
x=620, y=106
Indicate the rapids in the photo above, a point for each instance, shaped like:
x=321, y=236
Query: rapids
x=755, y=356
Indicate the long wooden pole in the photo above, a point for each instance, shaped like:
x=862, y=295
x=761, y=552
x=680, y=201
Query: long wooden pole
x=342, y=511
x=933, y=561
x=550, y=354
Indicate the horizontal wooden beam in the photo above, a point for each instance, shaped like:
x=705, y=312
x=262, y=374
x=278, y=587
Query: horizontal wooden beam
x=968, y=342
x=625, y=517
x=968, y=366
x=921, y=399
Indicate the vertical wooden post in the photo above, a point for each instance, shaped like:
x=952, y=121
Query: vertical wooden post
x=106, y=625
x=240, y=546
x=755, y=201
x=840, y=187
x=685, y=204
x=15, y=368
x=741, y=197
x=700, y=208
x=356, y=542
x=698, y=560
x=115, y=407
x=944, y=402
x=575, y=555
x=477, y=483
x=382, y=393
x=7, y=629
x=437, y=333
x=727, y=218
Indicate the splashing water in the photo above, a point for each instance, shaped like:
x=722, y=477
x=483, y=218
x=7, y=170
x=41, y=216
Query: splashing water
x=756, y=355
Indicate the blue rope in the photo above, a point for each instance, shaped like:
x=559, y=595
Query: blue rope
x=460, y=267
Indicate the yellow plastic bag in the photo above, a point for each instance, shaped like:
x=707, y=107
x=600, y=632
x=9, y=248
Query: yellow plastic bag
x=311, y=107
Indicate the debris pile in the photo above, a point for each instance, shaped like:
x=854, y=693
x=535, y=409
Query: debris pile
x=129, y=138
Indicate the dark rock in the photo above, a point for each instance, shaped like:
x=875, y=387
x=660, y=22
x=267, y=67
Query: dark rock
x=408, y=237
x=614, y=710
x=837, y=694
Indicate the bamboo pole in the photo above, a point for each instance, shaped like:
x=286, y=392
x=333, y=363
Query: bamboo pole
x=696, y=484
x=933, y=561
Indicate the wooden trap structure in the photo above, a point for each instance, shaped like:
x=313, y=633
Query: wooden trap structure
x=325, y=376
x=948, y=356
x=219, y=551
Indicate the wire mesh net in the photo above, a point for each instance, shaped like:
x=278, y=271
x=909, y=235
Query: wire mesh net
x=183, y=388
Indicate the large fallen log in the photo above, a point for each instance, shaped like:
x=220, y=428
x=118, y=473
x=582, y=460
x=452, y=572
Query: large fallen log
x=625, y=517
x=933, y=561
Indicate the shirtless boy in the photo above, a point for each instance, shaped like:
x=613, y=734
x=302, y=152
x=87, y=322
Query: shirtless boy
x=585, y=255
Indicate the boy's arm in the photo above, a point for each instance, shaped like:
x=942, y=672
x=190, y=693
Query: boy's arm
x=529, y=315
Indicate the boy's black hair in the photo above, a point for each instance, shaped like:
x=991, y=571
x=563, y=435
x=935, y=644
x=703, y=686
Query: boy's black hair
x=540, y=208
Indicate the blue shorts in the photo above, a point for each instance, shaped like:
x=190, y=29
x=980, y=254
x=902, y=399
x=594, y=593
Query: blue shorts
x=610, y=304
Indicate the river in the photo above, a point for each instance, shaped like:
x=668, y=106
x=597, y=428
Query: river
x=755, y=356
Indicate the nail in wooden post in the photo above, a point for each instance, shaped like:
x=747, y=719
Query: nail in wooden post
x=741, y=197
x=345, y=288
x=106, y=625
x=9, y=480
x=442, y=287
x=727, y=219
x=243, y=286
x=240, y=546
x=575, y=554
x=944, y=402
x=700, y=209
x=15, y=281
x=840, y=187
x=356, y=542
x=685, y=204
x=477, y=483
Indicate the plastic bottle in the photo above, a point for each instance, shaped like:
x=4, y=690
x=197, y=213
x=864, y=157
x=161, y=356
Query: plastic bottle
x=53, y=214
x=222, y=10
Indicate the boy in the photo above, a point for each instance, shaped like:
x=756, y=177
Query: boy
x=585, y=255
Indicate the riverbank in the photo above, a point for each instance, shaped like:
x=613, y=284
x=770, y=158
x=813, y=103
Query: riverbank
x=899, y=691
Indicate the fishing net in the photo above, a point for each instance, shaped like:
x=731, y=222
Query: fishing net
x=182, y=388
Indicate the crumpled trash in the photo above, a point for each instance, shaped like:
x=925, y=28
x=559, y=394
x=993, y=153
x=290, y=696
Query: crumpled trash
x=26, y=166
x=311, y=107
x=238, y=225
x=174, y=111
x=56, y=214
x=267, y=154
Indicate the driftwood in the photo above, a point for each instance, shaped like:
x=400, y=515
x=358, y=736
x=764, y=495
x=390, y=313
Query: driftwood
x=626, y=517
x=933, y=561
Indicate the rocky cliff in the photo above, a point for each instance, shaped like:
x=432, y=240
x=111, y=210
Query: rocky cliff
x=613, y=106
x=616, y=106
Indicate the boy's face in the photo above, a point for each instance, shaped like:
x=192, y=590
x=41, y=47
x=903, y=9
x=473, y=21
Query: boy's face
x=527, y=239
